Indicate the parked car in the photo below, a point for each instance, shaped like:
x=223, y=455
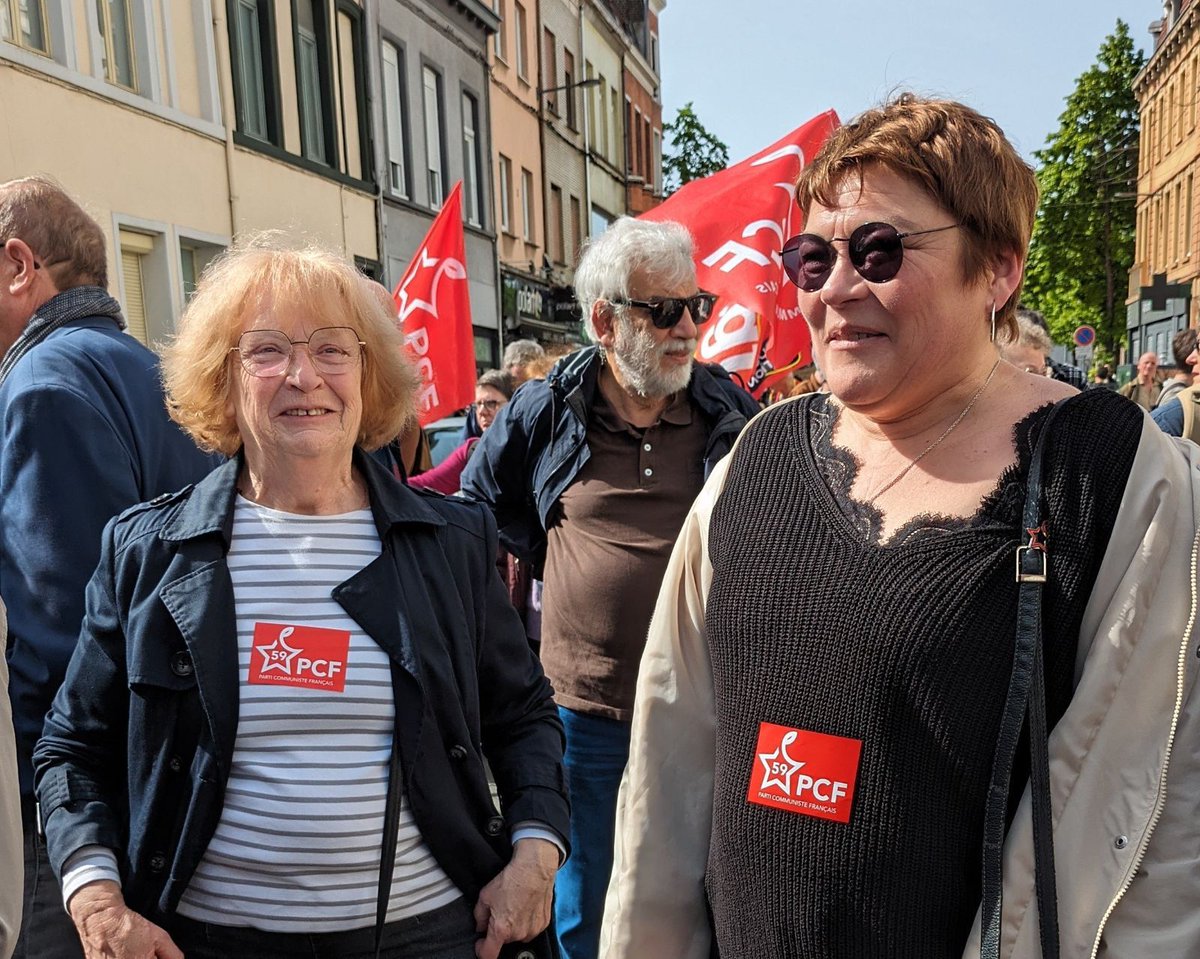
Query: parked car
x=444, y=436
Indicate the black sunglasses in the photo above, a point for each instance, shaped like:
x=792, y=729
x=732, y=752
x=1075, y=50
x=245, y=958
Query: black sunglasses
x=876, y=251
x=668, y=311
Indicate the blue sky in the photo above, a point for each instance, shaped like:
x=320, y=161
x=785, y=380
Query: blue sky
x=756, y=69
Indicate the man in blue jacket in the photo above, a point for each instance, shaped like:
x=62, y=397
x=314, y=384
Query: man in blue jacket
x=590, y=474
x=84, y=434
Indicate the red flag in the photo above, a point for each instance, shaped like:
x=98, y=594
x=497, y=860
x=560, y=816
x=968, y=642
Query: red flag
x=740, y=219
x=435, y=315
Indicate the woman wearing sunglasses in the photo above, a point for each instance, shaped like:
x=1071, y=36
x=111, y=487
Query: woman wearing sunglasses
x=825, y=755
x=493, y=390
x=271, y=740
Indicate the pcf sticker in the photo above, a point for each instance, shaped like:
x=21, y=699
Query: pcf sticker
x=308, y=656
x=804, y=772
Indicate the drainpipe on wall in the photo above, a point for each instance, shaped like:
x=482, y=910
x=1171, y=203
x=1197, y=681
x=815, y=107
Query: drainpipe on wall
x=587, y=137
x=627, y=147
x=375, y=86
x=487, y=98
x=228, y=114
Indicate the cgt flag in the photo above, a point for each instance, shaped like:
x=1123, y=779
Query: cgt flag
x=740, y=219
x=435, y=315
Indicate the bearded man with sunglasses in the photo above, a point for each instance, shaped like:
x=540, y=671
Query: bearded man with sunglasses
x=881, y=586
x=590, y=473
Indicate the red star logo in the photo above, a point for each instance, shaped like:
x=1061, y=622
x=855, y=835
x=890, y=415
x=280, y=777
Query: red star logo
x=1038, y=536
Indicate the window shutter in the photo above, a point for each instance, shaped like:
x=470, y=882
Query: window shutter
x=135, y=300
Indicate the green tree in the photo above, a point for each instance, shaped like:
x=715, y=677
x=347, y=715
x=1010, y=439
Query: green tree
x=694, y=152
x=1083, y=235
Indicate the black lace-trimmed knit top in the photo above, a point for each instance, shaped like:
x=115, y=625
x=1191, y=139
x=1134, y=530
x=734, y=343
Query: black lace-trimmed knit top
x=903, y=646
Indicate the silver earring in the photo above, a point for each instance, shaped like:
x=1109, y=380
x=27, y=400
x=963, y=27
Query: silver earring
x=993, y=321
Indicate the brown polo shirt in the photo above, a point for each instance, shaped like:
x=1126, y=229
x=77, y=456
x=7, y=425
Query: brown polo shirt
x=608, y=543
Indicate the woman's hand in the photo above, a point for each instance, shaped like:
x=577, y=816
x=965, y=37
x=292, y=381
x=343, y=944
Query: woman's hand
x=515, y=906
x=109, y=929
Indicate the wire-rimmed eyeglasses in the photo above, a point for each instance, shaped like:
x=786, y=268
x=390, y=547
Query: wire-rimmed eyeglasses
x=333, y=349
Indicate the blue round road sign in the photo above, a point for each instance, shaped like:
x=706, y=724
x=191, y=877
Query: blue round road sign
x=1085, y=336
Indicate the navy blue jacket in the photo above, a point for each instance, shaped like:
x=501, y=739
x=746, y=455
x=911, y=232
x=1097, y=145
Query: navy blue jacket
x=137, y=748
x=84, y=434
x=538, y=444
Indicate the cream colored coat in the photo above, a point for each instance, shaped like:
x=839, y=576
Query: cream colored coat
x=1125, y=757
x=11, y=857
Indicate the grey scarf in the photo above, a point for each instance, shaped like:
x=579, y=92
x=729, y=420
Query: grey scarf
x=73, y=304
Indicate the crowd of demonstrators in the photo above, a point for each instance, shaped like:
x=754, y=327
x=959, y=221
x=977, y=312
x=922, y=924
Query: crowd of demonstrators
x=1176, y=410
x=299, y=684
x=819, y=763
x=10, y=812
x=493, y=390
x=1143, y=389
x=590, y=473
x=332, y=660
x=84, y=434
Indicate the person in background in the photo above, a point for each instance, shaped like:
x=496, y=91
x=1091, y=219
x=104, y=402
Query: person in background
x=1183, y=345
x=821, y=750
x=272, y=737
x=1104, y=377
x=1174, y=417
x=10, y=812
x=84, y=434
x=492, y=391
x=1143, y=389
x=518, y=356
x=1029, y=350
x=590, y=473
x=1063, y=372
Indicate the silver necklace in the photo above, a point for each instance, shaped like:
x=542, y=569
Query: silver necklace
x=934, y=445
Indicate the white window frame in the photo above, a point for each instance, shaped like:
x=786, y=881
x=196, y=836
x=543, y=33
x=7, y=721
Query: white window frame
x=204, y=247
x=252, y=72
x=12, y=31
x=527, y=206
x=521, y=51
x=656, y=169
x=308, y=77
x=505, y=178
x=472, y=172
x=393, y=107
x=435, y=182
x=500, y=38
x=109, y=44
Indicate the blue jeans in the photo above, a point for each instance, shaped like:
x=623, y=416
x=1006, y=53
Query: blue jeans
x=597, y=750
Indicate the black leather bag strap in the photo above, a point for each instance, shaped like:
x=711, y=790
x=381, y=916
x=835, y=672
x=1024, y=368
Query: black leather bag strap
x=391, y=831
x=1026, y=697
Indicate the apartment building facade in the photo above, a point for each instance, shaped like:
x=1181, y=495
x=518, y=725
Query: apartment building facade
x=182, y=123
x=643, y=106
x=434, y=128
x=518, y=169
x=1165, y=278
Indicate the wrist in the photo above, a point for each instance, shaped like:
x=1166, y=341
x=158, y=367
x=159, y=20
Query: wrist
x=94, y=897
x=539, y=853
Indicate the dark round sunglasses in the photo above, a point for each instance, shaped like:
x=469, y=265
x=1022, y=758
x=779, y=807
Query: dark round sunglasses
x=666, y=312
x=876, y=252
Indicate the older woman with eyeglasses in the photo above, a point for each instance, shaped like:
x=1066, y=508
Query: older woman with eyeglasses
x=825, y=755
x=272, y=736
x=493, y=390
